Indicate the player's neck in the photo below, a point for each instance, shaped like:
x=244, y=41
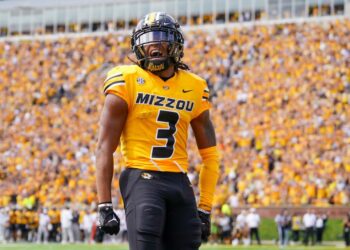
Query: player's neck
x=166, y=74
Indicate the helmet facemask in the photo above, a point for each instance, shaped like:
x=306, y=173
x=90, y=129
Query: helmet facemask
x=158, y=36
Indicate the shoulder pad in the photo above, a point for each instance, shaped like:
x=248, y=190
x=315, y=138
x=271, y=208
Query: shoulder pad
x=124, y=70
x=194, y=76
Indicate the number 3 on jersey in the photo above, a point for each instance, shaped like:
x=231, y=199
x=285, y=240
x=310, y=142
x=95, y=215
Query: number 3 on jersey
x=166, y=151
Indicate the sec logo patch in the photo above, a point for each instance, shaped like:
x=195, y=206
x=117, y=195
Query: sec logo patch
x=140, y=80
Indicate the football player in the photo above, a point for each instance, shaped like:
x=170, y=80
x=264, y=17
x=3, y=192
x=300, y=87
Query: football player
x=148, y=108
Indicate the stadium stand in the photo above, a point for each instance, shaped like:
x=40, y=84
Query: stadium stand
x=280, y=96
x=281, y=112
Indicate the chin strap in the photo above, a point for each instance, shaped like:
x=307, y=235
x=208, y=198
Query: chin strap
x=156, y=65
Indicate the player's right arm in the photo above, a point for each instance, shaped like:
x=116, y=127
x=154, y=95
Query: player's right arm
x=112, y=120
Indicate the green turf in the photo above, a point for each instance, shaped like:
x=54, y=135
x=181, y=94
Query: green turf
x=334, y=230
x=124, y=247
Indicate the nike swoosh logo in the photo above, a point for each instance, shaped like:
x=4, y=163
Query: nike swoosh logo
x=112, y=220
x=186, y=91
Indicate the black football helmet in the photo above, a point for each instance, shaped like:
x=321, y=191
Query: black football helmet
x=157, y=28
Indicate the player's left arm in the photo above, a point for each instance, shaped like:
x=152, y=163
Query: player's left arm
x=204, y=133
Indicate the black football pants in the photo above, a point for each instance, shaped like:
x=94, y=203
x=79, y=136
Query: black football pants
x=161, y=211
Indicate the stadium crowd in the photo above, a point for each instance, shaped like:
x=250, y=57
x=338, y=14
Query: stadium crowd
x=280, y=97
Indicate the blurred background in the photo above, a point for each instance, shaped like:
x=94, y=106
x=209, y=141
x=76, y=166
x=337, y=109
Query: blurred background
x=279, y=74
x=30, y=17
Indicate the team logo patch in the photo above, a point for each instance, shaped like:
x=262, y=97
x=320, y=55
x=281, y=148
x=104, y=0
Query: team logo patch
x=140, y=80
x=166, y=87
x=146, y=176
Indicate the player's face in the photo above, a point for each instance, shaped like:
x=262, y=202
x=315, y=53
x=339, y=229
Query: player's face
x=156, y=50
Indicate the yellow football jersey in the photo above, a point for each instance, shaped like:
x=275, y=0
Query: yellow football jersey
x=159, y=113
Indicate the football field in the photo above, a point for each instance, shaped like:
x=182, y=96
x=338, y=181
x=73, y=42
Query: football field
x=124, y=247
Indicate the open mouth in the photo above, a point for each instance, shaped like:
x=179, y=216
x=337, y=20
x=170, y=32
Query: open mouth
x=156, y=53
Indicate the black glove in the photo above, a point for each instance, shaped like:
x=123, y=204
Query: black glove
x=108, y=221
x=205, y=219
